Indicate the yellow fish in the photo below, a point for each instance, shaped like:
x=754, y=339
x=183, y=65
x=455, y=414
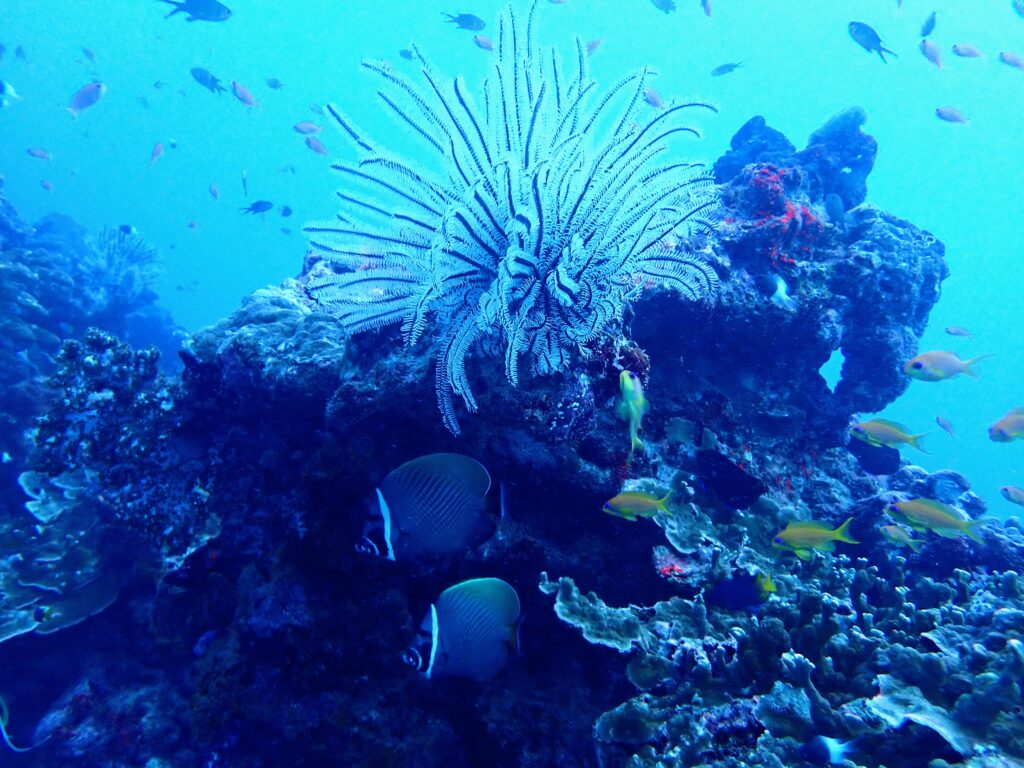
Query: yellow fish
x=802, y=536
x=937, y=366
x=632, y=407
x=884, y=432
x=630, y=504
x=766, y=584
x=1013, y=494
x=899, y=535
x=1008, y=428
x=929, y=514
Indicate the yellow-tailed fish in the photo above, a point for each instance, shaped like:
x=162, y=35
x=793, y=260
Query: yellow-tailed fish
x=632, y=504
x=1013, y=494
x=898, y=535
x=939, y=366
x=884, y=432
x=632, y=407
x=766, y=584
x=936, y=516
x=1008, y=428
x=802, y=536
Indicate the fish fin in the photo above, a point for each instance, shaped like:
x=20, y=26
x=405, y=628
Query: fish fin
x=969, y=365
x=827, y=546
x=503, y=502
x=1019, y=411
x=969, y=530
x=915, y=544
x=803, y=554
x=623, y=410
x=842, y=533
x=663, y=503
x=915, y=440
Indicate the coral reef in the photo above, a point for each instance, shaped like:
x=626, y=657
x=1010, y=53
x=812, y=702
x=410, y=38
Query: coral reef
x=200, y=529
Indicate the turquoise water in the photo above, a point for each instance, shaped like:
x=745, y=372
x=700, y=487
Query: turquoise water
x=962, y=182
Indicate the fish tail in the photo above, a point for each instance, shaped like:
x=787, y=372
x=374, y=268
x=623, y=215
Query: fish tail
x=969, y=530
x=842, y=533
x=663, y=503
x=636, y=444
x=915, y=440
x=882, y=48
x=969, y=365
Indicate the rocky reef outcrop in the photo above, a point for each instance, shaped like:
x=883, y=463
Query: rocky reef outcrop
x=239, y=488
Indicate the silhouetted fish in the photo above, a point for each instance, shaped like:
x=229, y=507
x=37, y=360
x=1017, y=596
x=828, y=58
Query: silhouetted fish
x=725, y=69
x=206, y=79
x=469, y=632
x=260, y=206
x=929, y=25
x=664, y=5
x=868, y=39
x=200, y=10
x=466, y=21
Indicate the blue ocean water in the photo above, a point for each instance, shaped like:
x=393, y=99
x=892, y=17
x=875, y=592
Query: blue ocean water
x=318, y=631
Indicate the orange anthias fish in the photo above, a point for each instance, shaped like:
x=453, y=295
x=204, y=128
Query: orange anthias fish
x=214, y=192
x=1008, y=428
x=945, y=425
x=39, y=153
x=87, y=96
x=307, y=127
x=1012, y=59
x=931, y=52
x=243, y=94
x=316, y=145
x=939, y=366
x=966, y=51
x=484, y=42
x=158, y=150
x=1013, y=494
x=958, y=330
x=593, y=45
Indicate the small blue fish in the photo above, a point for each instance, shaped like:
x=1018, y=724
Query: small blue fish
x=466, y=21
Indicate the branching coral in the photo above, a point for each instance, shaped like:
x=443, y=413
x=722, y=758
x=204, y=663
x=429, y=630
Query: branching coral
x=549, y=211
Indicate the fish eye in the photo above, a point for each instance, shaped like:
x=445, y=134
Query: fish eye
x=778, y=539
x=411, y=658
x=917, y=366
x=632, y=375
x=858, y=429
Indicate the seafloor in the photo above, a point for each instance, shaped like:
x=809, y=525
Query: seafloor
x=182, y=587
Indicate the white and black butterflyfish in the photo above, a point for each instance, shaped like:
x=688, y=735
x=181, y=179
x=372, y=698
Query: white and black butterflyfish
x=434, y=505
x=469, y=632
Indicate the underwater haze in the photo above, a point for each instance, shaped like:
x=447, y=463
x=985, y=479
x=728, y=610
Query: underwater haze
x=568, y=420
